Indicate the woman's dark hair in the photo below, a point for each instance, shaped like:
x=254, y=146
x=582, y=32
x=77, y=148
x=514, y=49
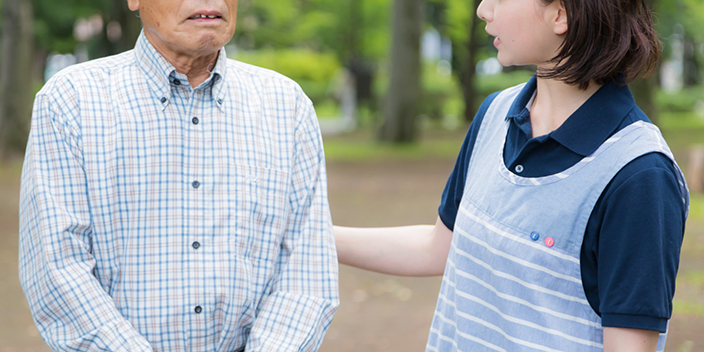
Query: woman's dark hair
x=605, y=39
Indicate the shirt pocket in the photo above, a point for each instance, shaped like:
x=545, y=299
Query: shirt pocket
x=260, y=211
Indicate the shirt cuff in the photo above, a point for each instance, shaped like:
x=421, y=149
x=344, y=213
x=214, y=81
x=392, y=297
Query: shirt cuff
x=630, y=321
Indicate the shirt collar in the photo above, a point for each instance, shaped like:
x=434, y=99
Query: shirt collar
x=160, y=73
x=592, y=124
x=218, y=79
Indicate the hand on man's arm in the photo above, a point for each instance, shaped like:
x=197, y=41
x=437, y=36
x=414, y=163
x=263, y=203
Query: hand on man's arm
x=630, y=340
x=70, y=307
x=419, y=250
x=304, y=297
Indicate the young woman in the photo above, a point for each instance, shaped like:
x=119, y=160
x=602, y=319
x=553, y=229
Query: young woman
x=561, y=225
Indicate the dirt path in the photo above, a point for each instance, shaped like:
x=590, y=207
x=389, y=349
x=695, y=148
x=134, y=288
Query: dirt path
x=378, y=312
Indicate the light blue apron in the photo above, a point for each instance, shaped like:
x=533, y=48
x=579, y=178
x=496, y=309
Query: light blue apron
x=512, y=280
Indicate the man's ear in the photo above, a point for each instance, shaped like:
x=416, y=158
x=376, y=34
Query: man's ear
x=560, y=18
x=133, y=5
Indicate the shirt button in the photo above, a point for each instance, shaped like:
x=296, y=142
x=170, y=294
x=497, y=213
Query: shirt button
x=195, y=184
x=196, y=245
x=195, y=120
x=219, y=101
x=534, y=236
x=198, y=309
x=519, y=169
x=163, y=100
x=549, y=242
x=177, y=82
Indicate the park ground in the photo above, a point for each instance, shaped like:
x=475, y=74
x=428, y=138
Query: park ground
x=377, y=185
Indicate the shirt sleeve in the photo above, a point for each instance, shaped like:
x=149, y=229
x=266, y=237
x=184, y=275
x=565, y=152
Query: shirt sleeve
x=304, y=297
x=70, y=308
x=640, y=220
x=454, y=188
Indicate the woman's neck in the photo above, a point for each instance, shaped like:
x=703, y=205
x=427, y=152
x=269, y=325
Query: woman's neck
x=554, y=102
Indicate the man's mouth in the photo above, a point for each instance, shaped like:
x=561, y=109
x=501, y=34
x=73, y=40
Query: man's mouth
x=204, y=16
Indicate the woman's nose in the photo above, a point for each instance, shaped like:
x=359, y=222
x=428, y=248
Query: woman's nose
x=483, y=11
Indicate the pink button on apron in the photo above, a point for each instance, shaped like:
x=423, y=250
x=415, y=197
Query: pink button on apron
x=549, y=242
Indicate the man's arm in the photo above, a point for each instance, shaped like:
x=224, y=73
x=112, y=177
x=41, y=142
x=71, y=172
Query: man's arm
x=71, y=309
x=630, y=340
x=419, y=250
x=304, y=297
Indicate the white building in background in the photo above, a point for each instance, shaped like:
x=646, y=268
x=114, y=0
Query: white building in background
x=672, y=69
x=57, y=62
x=434, y=47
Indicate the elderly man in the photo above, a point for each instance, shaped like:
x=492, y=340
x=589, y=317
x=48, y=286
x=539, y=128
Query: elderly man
x=175, y=200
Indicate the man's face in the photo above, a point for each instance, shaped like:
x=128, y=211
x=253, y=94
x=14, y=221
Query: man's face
x=191, y=28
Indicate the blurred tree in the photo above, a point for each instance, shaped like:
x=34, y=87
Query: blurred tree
x=643, y=89
x=15, y=76
x=468, y=47
x=355, y=30
x=122, y=27
x=400, y=107
x=672, y=17
x=54, y=26
x=466, y=59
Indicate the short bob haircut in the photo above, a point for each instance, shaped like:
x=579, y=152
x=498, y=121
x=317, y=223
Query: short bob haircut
x=605, y=40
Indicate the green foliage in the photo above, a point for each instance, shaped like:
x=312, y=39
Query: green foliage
x=682, y=101
x=487, y=85
x=444, y=146
x=54, y=20
x=346, y=27
x=312, y=70
x=490, y=84
x=696, y=209
x=459, y=16
x=684, y=18
x=441, y=93
x=693, y=18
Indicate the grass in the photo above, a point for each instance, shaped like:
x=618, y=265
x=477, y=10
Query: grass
x=682, y=130
x=689, y=297
x=363, y=146
x=696, y=207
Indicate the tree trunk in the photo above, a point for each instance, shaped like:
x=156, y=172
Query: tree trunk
x=404, y=88
x=469, y=68
x=695, y=169
x=361, y=69
x=16, y=76
x=643, y=90
x=129, y=27
x=130, y=24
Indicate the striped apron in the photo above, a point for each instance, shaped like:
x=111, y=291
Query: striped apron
x=512, y=280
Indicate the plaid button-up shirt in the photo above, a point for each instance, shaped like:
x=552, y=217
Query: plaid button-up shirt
x=156, y=216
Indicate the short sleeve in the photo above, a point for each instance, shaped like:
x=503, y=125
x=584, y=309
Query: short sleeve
x=633, y=243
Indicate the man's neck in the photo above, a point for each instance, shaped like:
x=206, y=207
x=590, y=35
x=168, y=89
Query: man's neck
x=555, y=101
x=196, y=67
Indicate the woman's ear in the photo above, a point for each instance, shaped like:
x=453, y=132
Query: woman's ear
x=560, y=18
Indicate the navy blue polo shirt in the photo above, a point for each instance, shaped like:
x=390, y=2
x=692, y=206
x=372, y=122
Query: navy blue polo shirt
x=631, y=249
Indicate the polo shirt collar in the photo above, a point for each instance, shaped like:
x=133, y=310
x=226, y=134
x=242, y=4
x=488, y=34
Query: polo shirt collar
x=592, y=124
x=159, y=72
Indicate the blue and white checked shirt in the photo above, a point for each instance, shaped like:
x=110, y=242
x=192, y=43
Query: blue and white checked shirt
x=157, y=217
